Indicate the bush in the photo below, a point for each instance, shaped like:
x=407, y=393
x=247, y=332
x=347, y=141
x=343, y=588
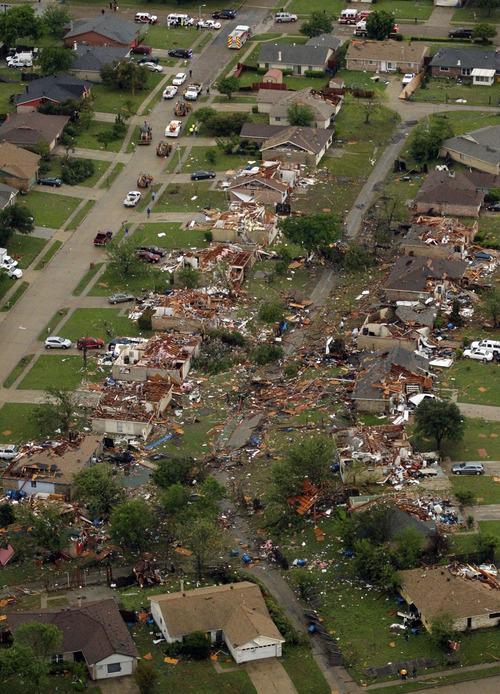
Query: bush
x=197, y=645
x=271, y=313
x=314, y=73
x=291, y=370
x=211, y=156
x=144, y=320
x=225, y=124
x=465, y=497
x=266, y=353
x=77, y=170
x=233, y=338
x=398, y=37
x=188, y=277
x=208, y=236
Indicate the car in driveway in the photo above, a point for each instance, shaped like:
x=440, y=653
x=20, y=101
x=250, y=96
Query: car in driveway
x=120, y=298
x=162, y=252
x=407, y=78
x=468, y=468
x=8, y=263
x=132, y=198
x=56, y=342
x=148, y=256
x=209, y=24
x=14, y=273
x=179, y=79
x=495, y=207
x=90, y=343
x=153, y=67
x=148, y=59
x=50, y=181
x=8, y=451
x=202, y=174
x=141, y=49
x=479, y=354
x=170, y=91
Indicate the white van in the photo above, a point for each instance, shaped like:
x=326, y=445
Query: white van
x=20, y=60
x=179, y=20
x=285, y=17
x=8, y=451
x=489, y=345
x=348, y=17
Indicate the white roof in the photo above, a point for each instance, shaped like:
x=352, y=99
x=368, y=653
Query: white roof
x=482, y=72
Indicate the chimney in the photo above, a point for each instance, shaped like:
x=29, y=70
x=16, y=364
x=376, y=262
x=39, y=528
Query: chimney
x=75, y=45
x=459, y=62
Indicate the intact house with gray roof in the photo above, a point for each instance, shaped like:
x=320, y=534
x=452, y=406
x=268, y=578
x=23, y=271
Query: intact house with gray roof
x=90, y=59
x=104, y=30
x=417, y=279
x=479, y=149
x=288, y=143
x=460, y=63
x=317, y=54
x=27, y=129
x=55, y=88
x=451, y=193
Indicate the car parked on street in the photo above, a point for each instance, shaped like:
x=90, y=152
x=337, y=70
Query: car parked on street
x=141, y=49
x=209, y=24
x=90, y=343
x=170, y=91
x=56, y=342
x=479, y=354
x=181, y=53
x=132, y=198
x=468, y=468
x=224, y=14
x=179, y=79
x=50, y=181
x=120, y=298
x=461, y=33
x=102, y=237
x=202, y=174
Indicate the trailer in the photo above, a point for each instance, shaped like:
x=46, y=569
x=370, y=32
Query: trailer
x=238, y=37
x=173, y=129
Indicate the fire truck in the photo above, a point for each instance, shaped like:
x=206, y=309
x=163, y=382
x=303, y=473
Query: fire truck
x=238, y=37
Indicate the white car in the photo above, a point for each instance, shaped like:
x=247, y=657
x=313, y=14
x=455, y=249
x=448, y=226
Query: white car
x=170, y=92
x=179, y=79
x=14, y=273
x=153, y=67
x=209, y=24
x=8, y=263
x=56, y=342
x=480, y=354
x=173, y=129
x=132, y=198
x=407, y=78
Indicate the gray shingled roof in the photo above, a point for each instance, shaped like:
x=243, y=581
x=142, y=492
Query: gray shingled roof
x=467, y=58
x=482, y=144
x=375, y=367
x=325, y=40
x=308, y=139
x=56, y=88
x=92, y=58
x=108, y=25
x=293, y=54
x=412, y=274
x=6, y=193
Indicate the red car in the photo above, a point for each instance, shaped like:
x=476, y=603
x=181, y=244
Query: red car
x=102, y=238
x=90, y=343
x=141, y=49
x=150, y=257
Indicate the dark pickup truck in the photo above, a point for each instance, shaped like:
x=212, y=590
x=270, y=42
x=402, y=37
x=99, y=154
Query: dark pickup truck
x=461, y=33
x=102, y=238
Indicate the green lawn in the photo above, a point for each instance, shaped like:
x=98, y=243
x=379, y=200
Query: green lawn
x=17, y=423
x=88, y=138
x=62, y=370
x=25, y=248
x=479, y=434
x=21, y=287
x=80, y=216
x=88, y=276
x=476, y=382
x=161, y=36
x=50, y=209
x=304, y=672
x=109, y=100
x=468, y=15
x=178, y=197
x=402, y=10
x=224, y=162
x=484, y=489
x=447, y=91
x=99, y=168
x=362, y=80
x=17, y=370
x=51, y=327
x=98, y=322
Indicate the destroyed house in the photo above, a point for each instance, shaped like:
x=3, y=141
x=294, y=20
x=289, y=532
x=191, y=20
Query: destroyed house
x=131, y=408
x=244, y=222
x=259, y=188
x=438, y=237
x=471, y=596
x=415, y=279
x=401, y=326
x=189, y=310
x=207, y=260
x=386, y=379
x=167, y=356
x=235, y=613
x=51, y=469
x=94, y=633
x=379, y=447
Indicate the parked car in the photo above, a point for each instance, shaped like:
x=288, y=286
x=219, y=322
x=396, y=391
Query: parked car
x=118, y=341
x=170, y=91
x=468, y=468
x=148, y=256
x=154, y=249
x=407, y=78
x=55, y=342
x=487, y=344
x=141, y=49
x=479, y=353
x=102, y=238
x=224, y=14
x=8, y=451
x=461, y=33
x=8, y=263
x=494, y=208
x=179, y=79
x=50, y=181
x=209, y=24
x=202, y=174
x=153, y=67
x=132, y=198
x=181, y=53
x=148, y=59
x=90, y=343
x=14, y=273
x=285, y=17
x=120, y=298
x=145, y=18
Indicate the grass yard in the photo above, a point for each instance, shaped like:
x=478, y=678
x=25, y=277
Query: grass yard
x=476, y=382
x=190, y=197
x=108, y=100
x=17, y=425
x=25, y=248
x=62, y=370
x=49, y=255
x=49, y=209
x=51, y=326
x=468, y=15
x=99, y=168
x=17, y=370
x=88, y=138
x=224, y=162
x=86, y=279
x=98, y=322
x=80, y=216
x=21, y=287
x=112, y=176
x=484, y=489
x=162, y=36
x=447, y=91
x=479, y=434
x=402, y=10
x=301, y=282
x=304, y=672
x=362, y=80
x=12, y=85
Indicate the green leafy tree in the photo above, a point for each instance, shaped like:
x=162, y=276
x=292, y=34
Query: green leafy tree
x=372, y=104
x=175, y=499
x=17, y=219
x=409, y=548
x=310, y=457
x=300, y=114
x=317, y=24
x=123, y=260
x=486, y=545
x=18, y=22
x=375, y=564
x=488, y=5
x=57, y=413
x=313, y=232
x=266, y=353
x=188, y=277
x=7, y=515
x=226, y=125
x=271, y=312
x=357, y=258
x=55, y=59
x=96, y=487
x=491, y=305
x=76, y=171
x=145, y=677
x=228, y=85
x=427, y=139
x=442, y=630
x=379, y=25
x=47, y=530
x=197, y=645
x=131, y=524
x=205, y=113
x=54, y=18
x=171, y=470
x=484, y=32
x=203, y=537
x=210, y=493
x=19, y=662
x=43, y=639
x=124, y=75
x=439, y=419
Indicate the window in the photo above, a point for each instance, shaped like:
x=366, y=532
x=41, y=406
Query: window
x=119, y=427
x=462, y=156
x=33, y=483
x=57, y=658
x=372, y=62
x=466, y=71
x=114, y=667
x=391, y=65
x=443, y=69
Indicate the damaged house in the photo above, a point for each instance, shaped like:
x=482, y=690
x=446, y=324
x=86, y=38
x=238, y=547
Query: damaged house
x=439, y=237
x=387, y=378
x=190, y=310
x=243, y=222
x=417, y=279
x=405, y=325
x=206, y=260
x=454, y=193
x=289, y=143
x=271, y=183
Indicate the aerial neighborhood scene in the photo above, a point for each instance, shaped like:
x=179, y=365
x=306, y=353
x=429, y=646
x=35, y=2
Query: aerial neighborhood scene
x=249, y=346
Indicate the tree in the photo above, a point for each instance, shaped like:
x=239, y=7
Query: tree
x=15, y=218
x=491, y=305
x=300, y=114
x=226, y=125
x=317, y=24
x=440, y=419
x=410, y=546
x=145, y=676
x=486, y=546
x=379, y=25
x=7, y=515
x=19, y=661
x=96, y=487
x=171, y=470
x=188, y=277
x=55, y=59
x=203, y=537
x=228, y=85
x=33, y=644
x=124, y=75
x=488, y=5
x=442, y=630
x=42, y=639
x=175, y=499
x=77, y=170
x=18, y=22
x=123, y=260
x=47, y=530
x=427, y=139
x=131, y=524
x=314, y=232
x=55, y=18
x=210, y=493
x=372, y=104
x=309, y=457
x=57, y=413
x=484, y=32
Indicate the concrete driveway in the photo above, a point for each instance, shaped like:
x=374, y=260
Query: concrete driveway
x=269, y=677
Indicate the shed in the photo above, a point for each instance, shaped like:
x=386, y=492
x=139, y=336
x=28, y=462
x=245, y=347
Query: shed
x=483, y=76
